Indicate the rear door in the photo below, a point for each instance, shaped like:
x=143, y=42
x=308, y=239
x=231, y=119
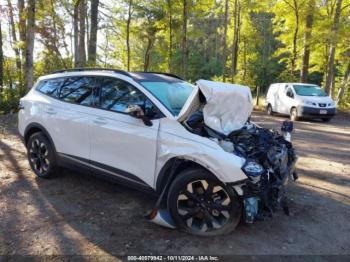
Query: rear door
x=123, y=145
x=70, y=119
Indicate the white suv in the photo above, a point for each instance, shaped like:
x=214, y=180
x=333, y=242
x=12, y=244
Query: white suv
x=158, y=133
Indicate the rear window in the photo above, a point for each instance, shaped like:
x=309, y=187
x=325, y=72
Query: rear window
x=50, y=87
x=78, y=90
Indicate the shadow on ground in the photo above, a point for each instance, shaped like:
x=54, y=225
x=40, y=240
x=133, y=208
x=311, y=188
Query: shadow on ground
x=80, y=214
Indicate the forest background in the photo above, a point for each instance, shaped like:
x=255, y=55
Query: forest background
x=254, y=43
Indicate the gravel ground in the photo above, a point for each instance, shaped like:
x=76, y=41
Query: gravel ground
x=79, y=214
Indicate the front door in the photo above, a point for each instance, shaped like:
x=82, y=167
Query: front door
x=289, y=100
x=123, y=145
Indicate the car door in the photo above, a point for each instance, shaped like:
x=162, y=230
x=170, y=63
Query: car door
x=123, y=145
x=280, y=98
x=70, y=124
x=289, y=100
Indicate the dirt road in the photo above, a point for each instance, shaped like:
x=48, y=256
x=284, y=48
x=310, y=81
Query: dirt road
x=78, y=214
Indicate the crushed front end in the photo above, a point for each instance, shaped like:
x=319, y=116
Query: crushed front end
x=222, y=114
x=270, y=161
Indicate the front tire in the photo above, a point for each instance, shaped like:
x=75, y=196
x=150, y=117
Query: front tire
x=294, y=114
x=41, y=155
x=200, y=204
x=326, y=119
x=269, y=110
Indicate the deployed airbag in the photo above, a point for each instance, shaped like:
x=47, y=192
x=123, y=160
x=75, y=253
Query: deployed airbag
x=227, y=107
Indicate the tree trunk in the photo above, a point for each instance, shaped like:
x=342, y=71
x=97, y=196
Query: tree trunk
x=81, y=50
x=128, y=22
x=184, y=40
x=224, y=42
x=1, y=62
x=236, y=28
x=170, y=35
x=76, y=33
x=295, y=36
x=343, y=84
x=87, y=29
x=22, y=19
x=148, y=53
x=257, y=95
x=22, y=35
x=93, y=33
x=307, y=37
x=15, y=43
x=22, y=24
x=333, y=44
x=244, y=58
x=79, y=33
x=56, y=38
x=28, y=73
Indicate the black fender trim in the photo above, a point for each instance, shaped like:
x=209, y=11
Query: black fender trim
x=34, y=125
x=181, y=164
x=106, y=172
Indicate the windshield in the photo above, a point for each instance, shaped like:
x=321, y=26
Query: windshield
x=306, y=90
x=173, y=95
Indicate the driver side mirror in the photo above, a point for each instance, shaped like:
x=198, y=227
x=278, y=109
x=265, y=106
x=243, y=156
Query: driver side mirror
x=137, y=112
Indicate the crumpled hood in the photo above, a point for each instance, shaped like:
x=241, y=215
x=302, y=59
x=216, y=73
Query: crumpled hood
x=228, y=105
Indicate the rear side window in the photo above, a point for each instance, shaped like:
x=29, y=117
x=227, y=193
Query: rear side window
x=78, y=90
x=50, y=87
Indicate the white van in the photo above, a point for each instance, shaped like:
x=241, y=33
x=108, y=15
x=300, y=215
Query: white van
x=299, y=100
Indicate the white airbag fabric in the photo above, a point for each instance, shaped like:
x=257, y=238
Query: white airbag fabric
x=228, y=105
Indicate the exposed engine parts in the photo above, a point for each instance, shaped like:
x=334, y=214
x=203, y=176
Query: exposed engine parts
x=270, y=159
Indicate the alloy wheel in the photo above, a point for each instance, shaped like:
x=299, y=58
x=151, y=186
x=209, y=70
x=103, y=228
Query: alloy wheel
x=204, y=206
x=38, y=155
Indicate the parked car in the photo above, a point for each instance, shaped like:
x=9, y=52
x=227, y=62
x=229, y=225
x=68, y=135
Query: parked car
x=299, y=100
x=192, y=145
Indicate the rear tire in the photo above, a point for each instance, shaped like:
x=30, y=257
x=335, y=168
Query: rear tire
x=41, y=155
x=294, y=114
x=269, y=110
x=202, y=205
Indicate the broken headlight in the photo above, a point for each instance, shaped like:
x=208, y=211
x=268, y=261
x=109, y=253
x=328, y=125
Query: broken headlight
x=253, y=170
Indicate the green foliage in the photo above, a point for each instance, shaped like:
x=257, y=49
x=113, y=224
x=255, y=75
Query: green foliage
x=265, y=67
x=267, y=30
x=9, y=99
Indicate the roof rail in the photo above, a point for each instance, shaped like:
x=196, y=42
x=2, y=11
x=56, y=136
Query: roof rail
x=79, y=69
x=161, y=73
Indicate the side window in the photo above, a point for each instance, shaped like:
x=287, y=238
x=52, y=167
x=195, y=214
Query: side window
x=50, y=87
x=116, y=95
x=289, y=93
x=78, y=90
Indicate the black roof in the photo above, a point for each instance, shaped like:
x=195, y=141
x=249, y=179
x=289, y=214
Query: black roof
x=154, y=77
x=137, y=76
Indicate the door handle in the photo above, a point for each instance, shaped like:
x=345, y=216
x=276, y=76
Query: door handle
x=100, y=121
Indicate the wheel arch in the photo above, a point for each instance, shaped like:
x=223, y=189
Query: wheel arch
x=34, y=128
x=182, y=165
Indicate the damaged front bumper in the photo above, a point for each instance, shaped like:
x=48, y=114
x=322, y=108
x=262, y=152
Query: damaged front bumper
x=268, y=168
x=263, y=196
